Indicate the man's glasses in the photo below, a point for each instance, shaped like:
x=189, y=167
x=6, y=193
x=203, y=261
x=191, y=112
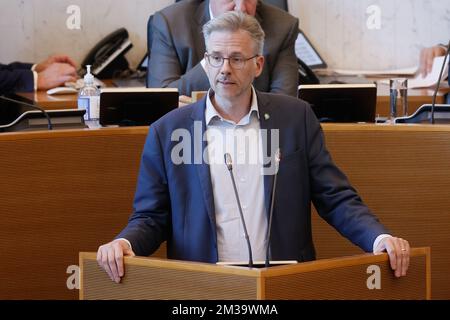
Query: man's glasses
x=237, y=62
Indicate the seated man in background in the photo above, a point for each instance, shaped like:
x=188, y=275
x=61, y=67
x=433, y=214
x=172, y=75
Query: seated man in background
x=50, y=73
x=177, y=49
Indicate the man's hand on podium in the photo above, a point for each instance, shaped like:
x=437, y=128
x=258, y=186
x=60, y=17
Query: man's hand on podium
x=110, y=258
x=398, y=250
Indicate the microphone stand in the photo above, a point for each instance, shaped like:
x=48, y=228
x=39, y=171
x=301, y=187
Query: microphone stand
x=272, y=202
x=438, y=84
x=229, y=164
x=50, y=126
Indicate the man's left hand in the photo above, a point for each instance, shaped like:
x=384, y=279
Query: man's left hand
x=398, y=250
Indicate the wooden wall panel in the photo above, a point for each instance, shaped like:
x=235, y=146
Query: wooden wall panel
x=64, y=192
x=403, y=174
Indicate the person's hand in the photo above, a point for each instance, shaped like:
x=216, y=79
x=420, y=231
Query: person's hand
x=41, y=66
x=184, y=101
x=398, y=250
x=427, y=56
x=56, y=75
x=110, y=258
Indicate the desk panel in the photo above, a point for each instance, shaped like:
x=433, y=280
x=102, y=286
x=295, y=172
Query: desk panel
x=403, y=175
x=63, y=192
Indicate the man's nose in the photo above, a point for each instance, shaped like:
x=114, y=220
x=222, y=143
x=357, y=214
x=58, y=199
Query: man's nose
x=226, y=67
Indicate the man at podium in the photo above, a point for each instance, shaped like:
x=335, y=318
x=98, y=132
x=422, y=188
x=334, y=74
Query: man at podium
x=209, y=170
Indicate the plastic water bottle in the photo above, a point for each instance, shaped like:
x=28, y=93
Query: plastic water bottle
x=89, y=100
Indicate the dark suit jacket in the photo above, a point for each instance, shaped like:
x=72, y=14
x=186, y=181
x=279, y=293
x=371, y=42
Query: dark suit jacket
x=178, y=47
x=16, y=77
x=175, y=202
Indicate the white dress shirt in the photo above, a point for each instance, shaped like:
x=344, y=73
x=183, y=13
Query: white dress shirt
x=242, y=141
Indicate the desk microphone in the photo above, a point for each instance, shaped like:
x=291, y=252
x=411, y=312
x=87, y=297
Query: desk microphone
x=229, y=164
x=439, y=82
x=272, y=201
x=50, y=126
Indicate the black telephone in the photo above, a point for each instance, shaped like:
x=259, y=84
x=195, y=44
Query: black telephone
x=107, y=57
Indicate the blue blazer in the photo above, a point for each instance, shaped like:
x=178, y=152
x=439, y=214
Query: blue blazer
x=175, y=202
x=16, y=77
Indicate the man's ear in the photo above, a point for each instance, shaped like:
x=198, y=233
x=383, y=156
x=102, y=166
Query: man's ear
x=259, y=65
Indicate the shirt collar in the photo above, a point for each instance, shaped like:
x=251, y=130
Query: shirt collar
x=211, y=112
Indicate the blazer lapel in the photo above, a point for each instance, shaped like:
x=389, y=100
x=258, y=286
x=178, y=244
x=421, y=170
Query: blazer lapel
x=198, y=128
x=268, y=121
x=201, y=17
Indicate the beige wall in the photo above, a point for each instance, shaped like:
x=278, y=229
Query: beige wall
x=32, y=29
x=339, y=31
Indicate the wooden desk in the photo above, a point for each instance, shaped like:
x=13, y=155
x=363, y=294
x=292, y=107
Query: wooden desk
x=55, y=102
x=416, y=98
x=48, y=102
x=63, y=192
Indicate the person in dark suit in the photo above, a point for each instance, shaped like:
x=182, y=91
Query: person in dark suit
x=50, y=73
x=177, y=47
x=184, y=194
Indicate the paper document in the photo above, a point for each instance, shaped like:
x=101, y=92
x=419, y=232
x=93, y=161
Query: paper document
x=430, y=79
x=305, y=51
x=394, y=72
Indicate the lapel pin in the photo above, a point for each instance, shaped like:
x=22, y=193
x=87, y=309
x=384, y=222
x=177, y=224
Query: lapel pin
x=266, y=116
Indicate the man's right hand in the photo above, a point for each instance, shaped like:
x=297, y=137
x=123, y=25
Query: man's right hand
x=427, y=56
x=110, y=257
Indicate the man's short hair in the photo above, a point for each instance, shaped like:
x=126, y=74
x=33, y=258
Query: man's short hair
x=233, y=21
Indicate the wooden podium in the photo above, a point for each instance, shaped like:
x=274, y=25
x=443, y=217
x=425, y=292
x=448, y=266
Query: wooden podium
x=363, y=276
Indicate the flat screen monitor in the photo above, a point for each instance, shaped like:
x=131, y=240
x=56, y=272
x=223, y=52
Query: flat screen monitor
x=15, y=115
x=135, y=106
x=341, y=102
x=10, y=111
